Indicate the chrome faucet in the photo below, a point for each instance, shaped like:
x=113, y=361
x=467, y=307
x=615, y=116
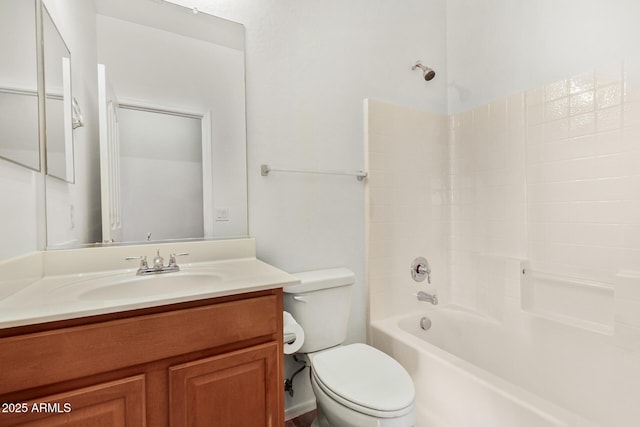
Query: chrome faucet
x=158, y=264
x=432, y=298
x=158, y=261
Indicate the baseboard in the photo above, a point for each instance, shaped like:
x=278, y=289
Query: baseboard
x=299, y=409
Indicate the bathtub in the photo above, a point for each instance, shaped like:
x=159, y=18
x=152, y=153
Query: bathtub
x=525, y=371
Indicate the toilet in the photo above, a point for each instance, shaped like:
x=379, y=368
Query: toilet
x=355, y=385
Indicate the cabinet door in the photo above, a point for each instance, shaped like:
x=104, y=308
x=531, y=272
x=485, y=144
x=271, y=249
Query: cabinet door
x=116, y=403
x=239, y=389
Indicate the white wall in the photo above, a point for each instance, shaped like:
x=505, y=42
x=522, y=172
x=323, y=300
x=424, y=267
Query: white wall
x=497, y=48
x=19, y=223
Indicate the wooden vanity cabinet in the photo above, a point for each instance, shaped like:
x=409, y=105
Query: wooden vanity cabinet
x=216, y=362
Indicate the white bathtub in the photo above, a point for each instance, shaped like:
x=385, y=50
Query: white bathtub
x=522, y=372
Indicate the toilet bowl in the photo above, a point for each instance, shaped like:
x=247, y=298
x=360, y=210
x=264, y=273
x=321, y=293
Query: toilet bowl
x=359, y=386
x=355, y=385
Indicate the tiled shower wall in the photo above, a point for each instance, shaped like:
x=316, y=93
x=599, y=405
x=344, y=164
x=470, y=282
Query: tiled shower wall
x=407, y=205
x=583, y=175
x=550, y=176
x=488, y=200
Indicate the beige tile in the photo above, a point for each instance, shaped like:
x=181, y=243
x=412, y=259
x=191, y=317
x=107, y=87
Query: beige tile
x=627, y=336
x=582, y=124
x=582, y=102
x=608, y=119
x=556, y=109
x=556, y=130
x=535, y=114
x=556, y=90
x=582, y=83
x=609, y=96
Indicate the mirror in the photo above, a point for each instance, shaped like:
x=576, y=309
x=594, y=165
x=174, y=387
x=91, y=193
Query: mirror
x=172, y=133
x=177, y=89
x=57, y=90
x=19, y=84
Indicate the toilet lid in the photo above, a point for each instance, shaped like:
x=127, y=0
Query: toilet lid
x=365, y=376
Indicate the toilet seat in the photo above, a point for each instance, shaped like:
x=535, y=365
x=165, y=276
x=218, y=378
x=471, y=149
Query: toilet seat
x=364, y=379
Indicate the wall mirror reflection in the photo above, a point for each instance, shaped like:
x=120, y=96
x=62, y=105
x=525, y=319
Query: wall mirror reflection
x=158, y=59
x=172, y=117
x=57, y=89
x=19, y=83
x=161, y=158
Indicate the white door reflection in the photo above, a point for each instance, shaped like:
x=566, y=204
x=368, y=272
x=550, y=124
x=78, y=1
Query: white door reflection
x=162, y=176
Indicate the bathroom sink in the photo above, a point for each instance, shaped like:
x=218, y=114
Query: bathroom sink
x=127, y=287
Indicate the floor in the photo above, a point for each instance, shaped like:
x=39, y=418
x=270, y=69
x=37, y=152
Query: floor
x=303, y=420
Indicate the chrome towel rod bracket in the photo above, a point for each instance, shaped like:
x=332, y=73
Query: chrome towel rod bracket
x=266, y=169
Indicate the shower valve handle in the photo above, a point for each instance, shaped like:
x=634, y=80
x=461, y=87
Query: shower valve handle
x=420, y=270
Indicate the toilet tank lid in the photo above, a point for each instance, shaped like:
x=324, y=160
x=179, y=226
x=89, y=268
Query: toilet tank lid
x=321, y=279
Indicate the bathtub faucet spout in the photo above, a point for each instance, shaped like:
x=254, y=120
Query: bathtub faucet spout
x=432, y=298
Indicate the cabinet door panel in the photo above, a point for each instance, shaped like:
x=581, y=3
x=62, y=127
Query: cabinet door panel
x=237, y=389
x=118, y=403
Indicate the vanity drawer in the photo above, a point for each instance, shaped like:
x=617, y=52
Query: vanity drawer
x=58, y=355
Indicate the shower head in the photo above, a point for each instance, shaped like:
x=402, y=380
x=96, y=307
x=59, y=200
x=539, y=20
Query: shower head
x=428, y=73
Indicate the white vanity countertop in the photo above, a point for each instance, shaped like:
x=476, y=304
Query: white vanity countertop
x=77, y=295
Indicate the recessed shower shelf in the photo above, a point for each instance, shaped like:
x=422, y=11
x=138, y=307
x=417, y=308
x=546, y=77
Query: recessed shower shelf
x=266, y=169
x=567, y=280
x=574, y=301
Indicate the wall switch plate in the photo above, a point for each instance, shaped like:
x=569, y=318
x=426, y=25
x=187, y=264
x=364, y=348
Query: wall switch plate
x=222, y=214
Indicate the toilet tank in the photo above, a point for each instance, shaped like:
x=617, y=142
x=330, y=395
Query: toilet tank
x=321, y=305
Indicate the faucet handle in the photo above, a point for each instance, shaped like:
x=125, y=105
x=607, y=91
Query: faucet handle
x=143, y=260
x=421, y=270
x=425, y=271
x=172, y=258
